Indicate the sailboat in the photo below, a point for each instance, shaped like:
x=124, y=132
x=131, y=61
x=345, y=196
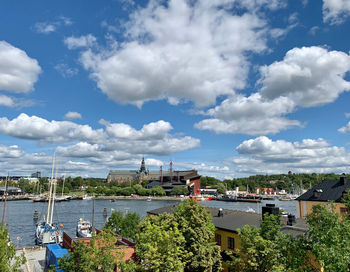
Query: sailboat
x=46, y=232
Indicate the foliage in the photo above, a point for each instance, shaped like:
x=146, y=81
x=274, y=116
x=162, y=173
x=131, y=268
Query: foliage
x=181, y=241
x=196, y=225
x=179, y=190
x=97, y=255
x=268, y=249
x=9, y=262
x=329, y=238
x=158, y=190
x=160, y=244
x=123, y=225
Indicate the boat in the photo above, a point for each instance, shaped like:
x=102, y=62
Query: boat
x=227, y=198
x=84, y=229
x=87, y=197
x=149, y=198
x=47, y=232
x=201, y=197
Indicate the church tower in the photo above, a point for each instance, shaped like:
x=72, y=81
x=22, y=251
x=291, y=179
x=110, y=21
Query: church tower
x=143, y=166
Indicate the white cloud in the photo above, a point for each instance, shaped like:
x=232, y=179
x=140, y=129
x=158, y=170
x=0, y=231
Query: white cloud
x=65, y=70
x=6, y=101
x=309, y=76
x=52, y=26
x=345, y=129
x=251, y=115
x=18, y=72
x=72, y=115
x=78, y=42
x=152, y=130
x=170, y=50
x=335, y=11
x=263, y=155
x=36, y=128
x=45, y=27
x=152, y=139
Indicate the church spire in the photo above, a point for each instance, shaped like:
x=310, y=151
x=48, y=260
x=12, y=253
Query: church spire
x=143, y=166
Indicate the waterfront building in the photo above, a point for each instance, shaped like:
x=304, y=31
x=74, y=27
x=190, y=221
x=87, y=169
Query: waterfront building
x=11, y=191
x=166, y=179
x=323, y=193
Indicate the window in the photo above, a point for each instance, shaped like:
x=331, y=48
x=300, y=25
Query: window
x=231, y=242
x=218, y=239
x=343, y=210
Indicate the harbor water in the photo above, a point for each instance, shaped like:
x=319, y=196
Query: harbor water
x=19, y=214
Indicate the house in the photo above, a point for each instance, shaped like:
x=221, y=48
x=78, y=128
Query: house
x=323, y=193
x=227, y=223
x=124, y=246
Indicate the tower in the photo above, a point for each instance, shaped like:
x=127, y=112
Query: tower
x=143, y=166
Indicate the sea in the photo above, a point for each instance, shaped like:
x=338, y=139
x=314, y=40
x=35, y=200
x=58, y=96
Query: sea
x=21, y=226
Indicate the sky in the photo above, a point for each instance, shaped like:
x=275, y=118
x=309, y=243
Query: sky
x=231, y=88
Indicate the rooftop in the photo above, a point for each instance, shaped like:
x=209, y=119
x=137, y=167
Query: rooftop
x=233, y=220
x=328, y=190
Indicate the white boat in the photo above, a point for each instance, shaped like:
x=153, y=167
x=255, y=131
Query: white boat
x=87, y=197
x=84, y=228
x=149, y=198
x=46, y=232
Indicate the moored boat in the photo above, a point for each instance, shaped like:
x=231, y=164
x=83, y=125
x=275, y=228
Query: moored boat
x=201, y=197
x=84, y=228
x=47, y=232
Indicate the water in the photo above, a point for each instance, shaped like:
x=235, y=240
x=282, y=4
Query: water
x=19, y=214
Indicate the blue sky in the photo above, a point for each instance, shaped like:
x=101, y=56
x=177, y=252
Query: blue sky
x=231, y=88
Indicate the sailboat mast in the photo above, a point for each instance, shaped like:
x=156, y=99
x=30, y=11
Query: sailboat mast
x=5, y=196
x=50, y=192
x=53, y=197
x=64, y=178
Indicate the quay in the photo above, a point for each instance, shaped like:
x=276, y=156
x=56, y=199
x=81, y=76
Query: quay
x=35, y=258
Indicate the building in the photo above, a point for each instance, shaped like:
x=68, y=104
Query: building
x=11, y=191
x=124, y=246
x=227, y=223
x=121, y=176
x=169, y=179
x=166, y=179
x=328, y=190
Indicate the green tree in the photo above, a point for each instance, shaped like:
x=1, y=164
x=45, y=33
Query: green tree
x=160, y=244
x=97, y=255
x=329, y=238
x=123, y=225
x=158, y=190
x=9, y=262
x=266, y=248
x=196, y=225
x=179, y=190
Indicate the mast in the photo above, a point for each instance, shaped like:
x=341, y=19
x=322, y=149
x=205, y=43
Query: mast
x=53, y=197
x=64, y=178
x=5, y=196
x=50, y=190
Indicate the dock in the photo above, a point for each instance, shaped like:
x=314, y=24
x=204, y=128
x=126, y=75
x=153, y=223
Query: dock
x=35, y=256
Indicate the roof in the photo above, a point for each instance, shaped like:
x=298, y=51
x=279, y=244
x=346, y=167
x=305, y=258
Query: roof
x=331, y=190
x=233, y=220
x=230, y=221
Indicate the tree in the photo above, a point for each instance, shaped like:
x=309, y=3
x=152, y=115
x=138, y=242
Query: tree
x=179, y=190
x=329, y=238
x=196, y=225
x=160, y=244
x=158, y=190
x=97, y=255
x=123, y=225
x=9, y=262
x=268, y=249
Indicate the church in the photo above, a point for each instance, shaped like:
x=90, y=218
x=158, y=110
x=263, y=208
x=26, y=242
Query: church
x=166, y=179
